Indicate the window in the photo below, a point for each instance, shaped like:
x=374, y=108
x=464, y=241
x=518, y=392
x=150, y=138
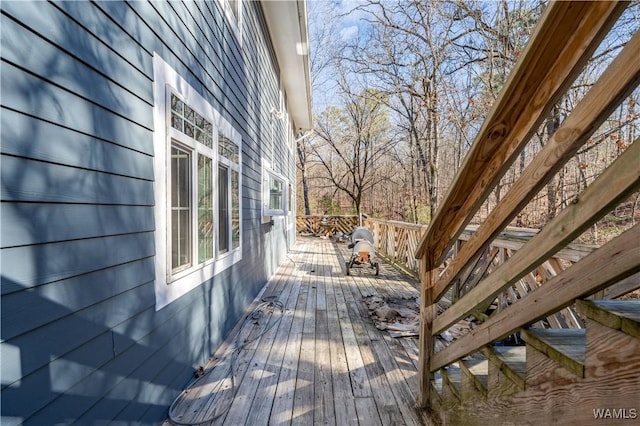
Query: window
x=235, y=209
x=180, y=209
x=191, y=165
x=223, y=211
x=191, y=200
x=229, y=194
x=290, y=203
x=205, y=208
x=189, y=122
x=275, y=193
x=197, y=167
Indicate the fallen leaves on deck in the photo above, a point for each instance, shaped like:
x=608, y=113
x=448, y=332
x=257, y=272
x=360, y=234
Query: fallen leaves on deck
x=401, y=318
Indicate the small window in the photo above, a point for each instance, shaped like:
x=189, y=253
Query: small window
x=227, y=149
x=275, y=193
x=189, y=122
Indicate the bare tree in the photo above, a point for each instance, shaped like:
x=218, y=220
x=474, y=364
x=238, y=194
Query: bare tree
x=323, y=27
x=404, y=53
x=351, y=141
x=435, y=69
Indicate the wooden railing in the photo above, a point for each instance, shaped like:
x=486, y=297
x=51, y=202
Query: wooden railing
x=564, y=40
x=326, y=224
x=397, y=242
x=529, y=276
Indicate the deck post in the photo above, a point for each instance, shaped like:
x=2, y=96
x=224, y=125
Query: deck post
x=427, y=315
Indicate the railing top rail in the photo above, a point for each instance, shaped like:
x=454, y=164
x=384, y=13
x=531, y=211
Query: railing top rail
x=398, y=224
x=350, y=216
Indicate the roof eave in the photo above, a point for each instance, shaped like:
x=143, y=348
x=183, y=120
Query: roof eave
x=287, y=23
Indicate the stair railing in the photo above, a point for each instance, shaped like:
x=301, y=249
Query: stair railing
x=564, y=40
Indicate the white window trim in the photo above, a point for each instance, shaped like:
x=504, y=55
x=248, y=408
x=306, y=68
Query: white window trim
x=267, y=173
x=170, y=287
x=235, y=24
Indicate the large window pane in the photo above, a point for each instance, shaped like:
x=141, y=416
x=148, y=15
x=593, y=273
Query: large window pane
x=275, y=194
x=235, y=209
x=223, y=202
x=205, y=208
x=180, y=208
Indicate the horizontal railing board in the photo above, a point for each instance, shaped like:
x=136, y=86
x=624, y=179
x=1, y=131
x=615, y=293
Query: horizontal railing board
x=592, y=204
x=612, y=262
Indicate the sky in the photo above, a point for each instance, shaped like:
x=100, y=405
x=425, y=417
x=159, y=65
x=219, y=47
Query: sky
x=342, y=19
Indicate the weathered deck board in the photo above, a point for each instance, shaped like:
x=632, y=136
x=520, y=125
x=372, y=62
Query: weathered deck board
x=391, y=360
x=271, y=373
x=322, y=361
x=282, y=408
x=345, y=403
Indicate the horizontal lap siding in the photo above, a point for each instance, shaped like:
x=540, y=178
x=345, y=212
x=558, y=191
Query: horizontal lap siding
x=32, y=266
x=36, y=181
x=79, y=149
x=81, y=339
x=73, y=222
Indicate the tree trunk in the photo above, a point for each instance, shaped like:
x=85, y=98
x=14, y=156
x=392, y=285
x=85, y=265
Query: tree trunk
x=305, y=194
x=302, y=157
x=553, y=123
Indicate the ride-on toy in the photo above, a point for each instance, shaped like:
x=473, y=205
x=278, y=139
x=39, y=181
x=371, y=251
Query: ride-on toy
x=362, y=251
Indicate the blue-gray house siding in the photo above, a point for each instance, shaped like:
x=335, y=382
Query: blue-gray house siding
x=82, y=338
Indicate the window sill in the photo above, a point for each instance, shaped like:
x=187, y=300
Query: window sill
x=275, y=212
x=186, y=281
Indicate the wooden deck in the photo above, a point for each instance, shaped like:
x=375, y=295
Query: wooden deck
x=319, y=359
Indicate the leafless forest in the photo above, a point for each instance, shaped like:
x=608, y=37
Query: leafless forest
x=402, y=87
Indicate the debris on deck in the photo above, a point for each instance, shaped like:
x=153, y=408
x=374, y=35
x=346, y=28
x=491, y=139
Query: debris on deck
x=401, y=318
